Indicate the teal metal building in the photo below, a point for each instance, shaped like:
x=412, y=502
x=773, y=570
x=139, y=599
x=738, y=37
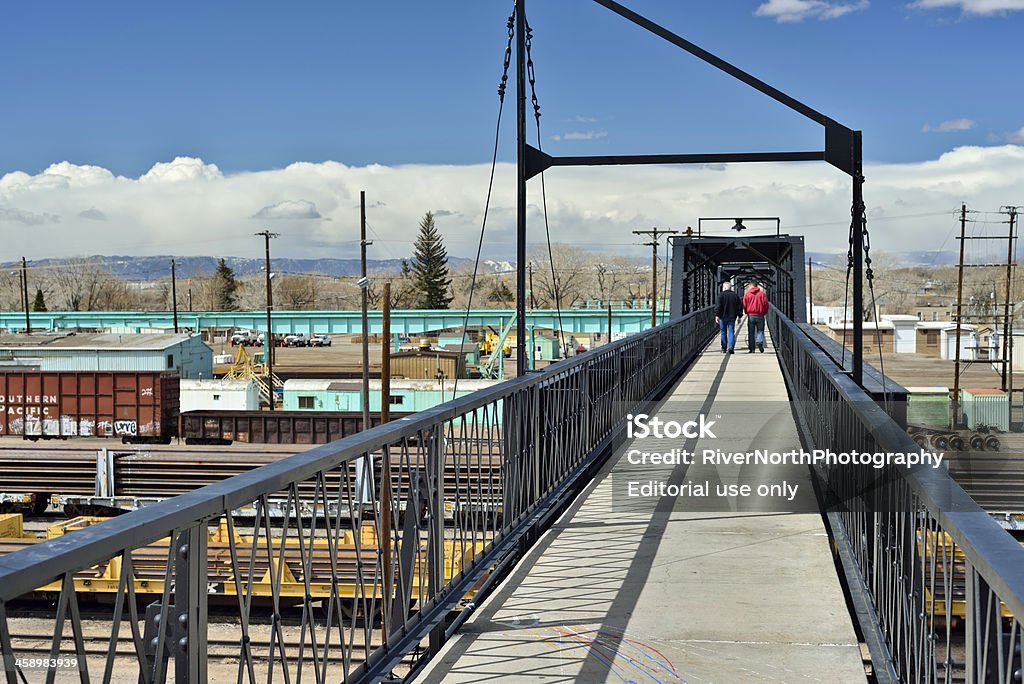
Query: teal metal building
x=346, y=395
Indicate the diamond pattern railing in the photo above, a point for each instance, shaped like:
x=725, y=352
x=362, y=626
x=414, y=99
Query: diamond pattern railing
x=362, y=555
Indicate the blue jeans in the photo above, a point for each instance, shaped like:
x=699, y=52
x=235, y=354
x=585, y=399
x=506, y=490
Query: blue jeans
x=755, y=331
x=727, y=327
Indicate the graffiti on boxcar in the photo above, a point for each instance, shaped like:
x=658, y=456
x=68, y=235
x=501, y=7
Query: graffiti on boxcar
x=126, y=427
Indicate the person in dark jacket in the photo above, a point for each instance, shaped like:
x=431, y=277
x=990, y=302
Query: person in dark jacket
x=726, y=313
x=755, y=304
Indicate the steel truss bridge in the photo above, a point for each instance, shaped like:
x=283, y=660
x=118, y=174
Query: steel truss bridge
x=405, y=322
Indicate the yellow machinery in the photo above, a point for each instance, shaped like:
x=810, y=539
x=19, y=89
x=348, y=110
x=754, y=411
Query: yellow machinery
x=949, y=588
x=252, y=367
x=490, y=343
x=150, y=562
x=12, y=526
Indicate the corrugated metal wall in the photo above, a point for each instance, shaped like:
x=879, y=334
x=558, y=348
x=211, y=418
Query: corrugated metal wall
x=191, y=358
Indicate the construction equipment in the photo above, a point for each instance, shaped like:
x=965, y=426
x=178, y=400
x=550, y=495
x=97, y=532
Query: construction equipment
x=493, y=366
x=491, y=342
x=254, y=367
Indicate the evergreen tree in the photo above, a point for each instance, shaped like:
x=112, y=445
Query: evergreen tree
x=430, y=267
x=224, y=285
x=40, y=303
x=501, y=294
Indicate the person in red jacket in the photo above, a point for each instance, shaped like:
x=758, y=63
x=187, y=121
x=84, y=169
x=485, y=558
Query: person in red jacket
x=755, y=304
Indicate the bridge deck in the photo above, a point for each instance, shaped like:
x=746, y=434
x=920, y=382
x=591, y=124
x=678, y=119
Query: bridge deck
x=673, y=593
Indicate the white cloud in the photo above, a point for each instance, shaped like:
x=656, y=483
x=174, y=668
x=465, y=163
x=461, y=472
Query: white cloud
x=585, y=135
x=979, y=7
x=579, y=118
x=26, y=218
x=92, y=214
x=181, y=169
x=788, y=11
x=288, y=209
x=1016, y=136
x=950, y=126
x=592, y=207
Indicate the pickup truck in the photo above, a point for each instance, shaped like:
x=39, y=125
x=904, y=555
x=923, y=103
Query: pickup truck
x=245, y=338
x=296, y=340
x=319, y=340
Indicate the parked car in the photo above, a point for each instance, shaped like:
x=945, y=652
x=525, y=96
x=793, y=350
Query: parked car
x=320, y=341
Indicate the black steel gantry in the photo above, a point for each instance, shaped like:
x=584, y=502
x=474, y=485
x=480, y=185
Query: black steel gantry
x=842, y=149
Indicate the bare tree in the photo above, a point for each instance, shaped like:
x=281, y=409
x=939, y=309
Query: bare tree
x=296, y=292
x=572, y=269
x=82, y=284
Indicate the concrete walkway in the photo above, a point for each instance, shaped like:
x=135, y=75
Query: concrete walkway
x=676, y=589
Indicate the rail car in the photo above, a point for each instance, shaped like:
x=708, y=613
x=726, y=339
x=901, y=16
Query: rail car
x=135, y=406
x=273, y=427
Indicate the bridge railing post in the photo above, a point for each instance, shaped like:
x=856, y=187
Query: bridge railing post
x=189, y=628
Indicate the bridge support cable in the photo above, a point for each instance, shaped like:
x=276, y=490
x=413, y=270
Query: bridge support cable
x=502, y=86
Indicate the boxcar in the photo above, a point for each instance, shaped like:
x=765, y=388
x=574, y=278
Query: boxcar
x=135, y=406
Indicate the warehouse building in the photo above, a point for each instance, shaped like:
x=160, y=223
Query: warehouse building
x=187, y=355
x=347, y=395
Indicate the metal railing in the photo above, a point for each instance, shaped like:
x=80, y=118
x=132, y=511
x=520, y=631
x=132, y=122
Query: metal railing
x=359, y=554
x=937, y=584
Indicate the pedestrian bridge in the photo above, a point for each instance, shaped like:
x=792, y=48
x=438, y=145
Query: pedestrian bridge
x=496, y=538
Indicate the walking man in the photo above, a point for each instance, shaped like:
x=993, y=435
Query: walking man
x=726, y=313
x=755, y=303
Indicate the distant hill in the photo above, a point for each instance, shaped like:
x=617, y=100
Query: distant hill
x=915, y=258
x=155, y=267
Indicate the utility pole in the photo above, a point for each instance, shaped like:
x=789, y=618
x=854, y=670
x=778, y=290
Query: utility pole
x=268, y=339
x=609, y=321
x=533, y=301
x=174, y=294
x=363, y=285
x=959, y=317
x=189, y=283
x=655, y=233
x=24, y=294
x=1007, y=306
x=810, y=289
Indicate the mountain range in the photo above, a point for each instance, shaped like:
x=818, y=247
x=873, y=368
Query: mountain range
x=147, y=268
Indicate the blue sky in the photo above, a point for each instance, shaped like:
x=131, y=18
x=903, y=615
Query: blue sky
x=256, y=85
x=143, y=127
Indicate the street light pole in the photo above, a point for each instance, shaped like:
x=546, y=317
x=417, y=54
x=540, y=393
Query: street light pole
x=268, y=339
x=24, y=294
x=363, y=285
